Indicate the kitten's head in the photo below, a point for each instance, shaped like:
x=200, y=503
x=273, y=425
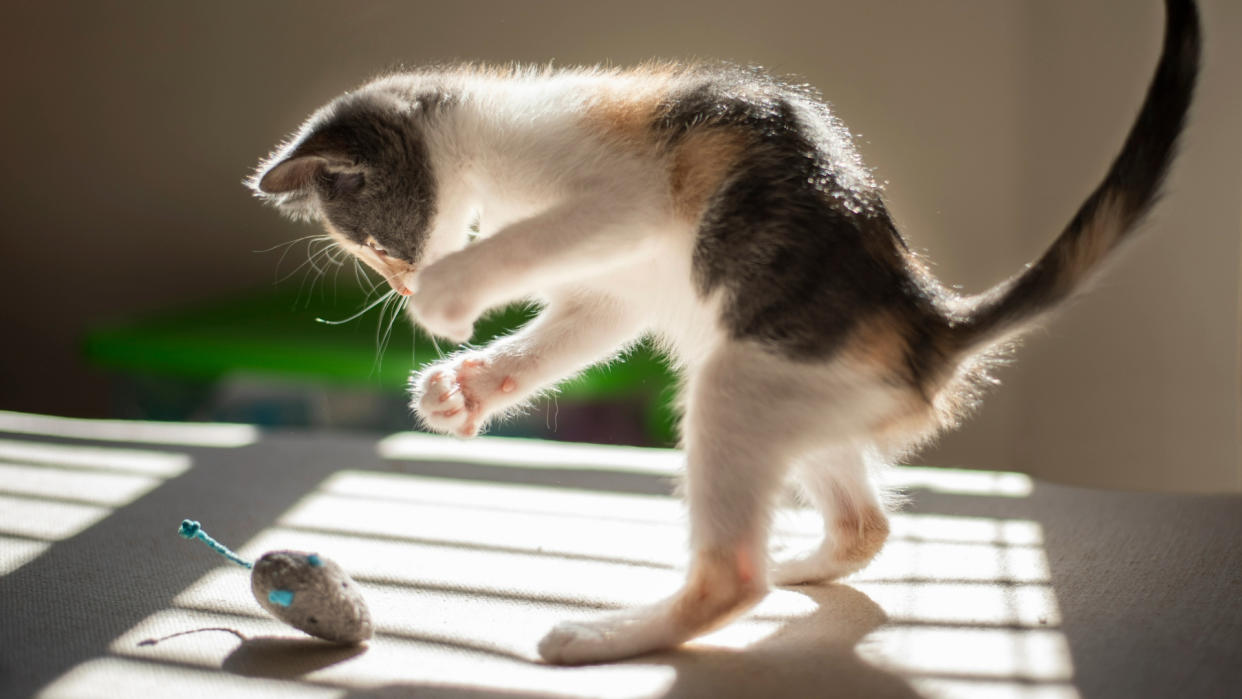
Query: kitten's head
x=359, y=166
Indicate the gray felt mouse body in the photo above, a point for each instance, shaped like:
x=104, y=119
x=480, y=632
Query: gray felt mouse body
x=313, y=594
x=305, y=590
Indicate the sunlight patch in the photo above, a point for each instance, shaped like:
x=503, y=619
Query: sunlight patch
x=190, y=434
x=654, y=542
x=509, y=451
x=934, y=560
x=482, y=495
x=110, y=677
x=153, y=463
x=962, y=481
x=50, y=492
x=1026, y=655
x=966, y=604
x=971, y=609
x=966, y=688
x=68, y=484
x=739, y=635
x=46, y=520
x=15, y=553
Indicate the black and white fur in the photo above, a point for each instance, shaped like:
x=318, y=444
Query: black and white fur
x=728, y=216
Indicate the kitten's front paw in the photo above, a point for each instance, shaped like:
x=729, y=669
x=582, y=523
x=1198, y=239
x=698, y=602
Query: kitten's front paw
x=442, y=305
x=457, y=396
x=575, y=644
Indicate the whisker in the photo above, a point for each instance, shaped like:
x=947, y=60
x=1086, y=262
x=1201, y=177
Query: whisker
x=310, y=260
x=328, y=254
x=329, y=251
x=287, y=247
x=398, y=312
x=382, y=341
x=363, y=277
x=336, y=281
x=336, y=261
x=311, y=254
x=302, y=285
x=378, y=289
x=378, y=362
x=288, y=243
x=359, y=314
x=413, y=346
x=317, y=276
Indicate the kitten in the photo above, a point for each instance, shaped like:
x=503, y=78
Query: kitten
x=724, y=214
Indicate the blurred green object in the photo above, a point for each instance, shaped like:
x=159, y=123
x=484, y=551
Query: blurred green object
x=276, y=334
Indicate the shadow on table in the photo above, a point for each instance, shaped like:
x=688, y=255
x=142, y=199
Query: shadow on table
x=286, y=658
x=814, y=655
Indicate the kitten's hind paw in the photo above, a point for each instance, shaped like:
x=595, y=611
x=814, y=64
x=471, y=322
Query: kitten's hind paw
x=848, y=549
x=818, y=566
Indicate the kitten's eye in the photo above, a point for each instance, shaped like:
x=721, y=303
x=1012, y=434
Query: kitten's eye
x=376, y=247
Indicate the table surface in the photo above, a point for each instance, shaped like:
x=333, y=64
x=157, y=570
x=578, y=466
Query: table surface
x=993, y=584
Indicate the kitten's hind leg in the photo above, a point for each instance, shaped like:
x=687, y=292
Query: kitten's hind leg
x=737, y=444
x=838, y=484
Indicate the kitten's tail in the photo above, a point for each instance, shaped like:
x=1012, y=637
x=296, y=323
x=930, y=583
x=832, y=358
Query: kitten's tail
x=1113, y=210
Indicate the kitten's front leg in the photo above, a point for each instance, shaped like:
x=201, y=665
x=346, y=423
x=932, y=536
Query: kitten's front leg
x=459, y=395
x=736, y=458
x=563, y=245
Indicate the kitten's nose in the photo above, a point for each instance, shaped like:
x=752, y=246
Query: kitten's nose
x=404, y=284
x=399, y=286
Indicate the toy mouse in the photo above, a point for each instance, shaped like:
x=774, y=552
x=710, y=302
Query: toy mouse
x=305, y=590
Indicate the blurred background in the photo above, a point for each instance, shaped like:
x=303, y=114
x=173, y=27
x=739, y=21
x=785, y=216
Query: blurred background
x=133, y=284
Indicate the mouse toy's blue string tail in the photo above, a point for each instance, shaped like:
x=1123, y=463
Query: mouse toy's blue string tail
x=193, y=530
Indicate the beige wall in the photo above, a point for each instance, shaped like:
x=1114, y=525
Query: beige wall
x=127, y=127
x=1139, y=382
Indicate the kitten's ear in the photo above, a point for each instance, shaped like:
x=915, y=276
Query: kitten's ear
x=292, y=174
x=298, y=167
x=298, y=172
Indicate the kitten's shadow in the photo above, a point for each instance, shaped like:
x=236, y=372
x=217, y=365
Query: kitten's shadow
x=814, y=655
x=285, y=657
x=811, y=656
